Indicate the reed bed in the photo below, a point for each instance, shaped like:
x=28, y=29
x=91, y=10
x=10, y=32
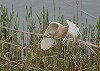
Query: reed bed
x=20, y=50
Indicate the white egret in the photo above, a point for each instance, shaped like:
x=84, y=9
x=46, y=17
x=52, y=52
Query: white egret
x=57, y=31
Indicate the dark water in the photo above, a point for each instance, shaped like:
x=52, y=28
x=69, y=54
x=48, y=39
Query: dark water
x=68, y=8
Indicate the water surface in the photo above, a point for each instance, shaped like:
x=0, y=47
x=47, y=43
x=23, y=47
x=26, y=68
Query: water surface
x=68, y=8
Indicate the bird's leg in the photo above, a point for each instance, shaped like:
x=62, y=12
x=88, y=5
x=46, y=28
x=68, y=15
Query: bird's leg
x=65, y=38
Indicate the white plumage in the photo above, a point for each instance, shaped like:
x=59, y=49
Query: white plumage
x=73, y=29
x=47, y=42
x=58, y=31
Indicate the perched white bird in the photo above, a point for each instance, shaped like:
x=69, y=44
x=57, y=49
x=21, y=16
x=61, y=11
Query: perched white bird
x=57, y=31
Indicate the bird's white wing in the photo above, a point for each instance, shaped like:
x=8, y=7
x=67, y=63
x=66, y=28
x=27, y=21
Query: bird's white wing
x=48, y=42
x=73, y=29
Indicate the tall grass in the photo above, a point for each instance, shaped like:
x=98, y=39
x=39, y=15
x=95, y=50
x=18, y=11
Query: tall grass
x=28, y=56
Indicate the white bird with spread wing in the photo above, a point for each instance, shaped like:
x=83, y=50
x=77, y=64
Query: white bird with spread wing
x=57, y=31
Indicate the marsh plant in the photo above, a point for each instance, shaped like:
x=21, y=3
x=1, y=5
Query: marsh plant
x=21, y=51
